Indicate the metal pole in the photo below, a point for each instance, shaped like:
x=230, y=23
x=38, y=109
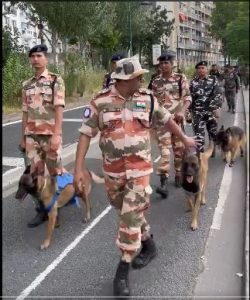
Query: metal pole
x=130, y=31
x=177, y=48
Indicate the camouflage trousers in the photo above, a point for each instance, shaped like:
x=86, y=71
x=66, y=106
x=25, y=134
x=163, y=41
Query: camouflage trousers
x=230, y=97
x=131, y=198
x=165, y=141
x=199, y=123
x=39, y=154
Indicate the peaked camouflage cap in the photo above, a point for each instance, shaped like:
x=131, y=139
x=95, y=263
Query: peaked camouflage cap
x=128, y=68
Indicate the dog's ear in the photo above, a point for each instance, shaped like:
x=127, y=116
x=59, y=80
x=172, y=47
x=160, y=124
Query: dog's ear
x=27, y=170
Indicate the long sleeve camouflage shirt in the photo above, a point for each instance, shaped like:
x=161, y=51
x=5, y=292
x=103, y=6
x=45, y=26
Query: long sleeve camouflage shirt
x=206, y=94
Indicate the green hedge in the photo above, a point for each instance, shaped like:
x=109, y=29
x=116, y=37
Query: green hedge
x=79, y=78
x=16, y=70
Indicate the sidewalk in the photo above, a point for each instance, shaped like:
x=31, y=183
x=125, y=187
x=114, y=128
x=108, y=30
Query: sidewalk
x=246, y=262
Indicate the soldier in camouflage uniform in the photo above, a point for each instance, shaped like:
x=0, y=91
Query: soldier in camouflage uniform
x=206, y=103
x=172, y=91
x=42, y=106
x=124, y=114
x=108, y=81
x=231, y=85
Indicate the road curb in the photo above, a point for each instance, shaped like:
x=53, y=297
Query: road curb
x=246, y=248
x=11, y=177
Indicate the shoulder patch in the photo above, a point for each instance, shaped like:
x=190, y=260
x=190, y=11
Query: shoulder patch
x=86, y=112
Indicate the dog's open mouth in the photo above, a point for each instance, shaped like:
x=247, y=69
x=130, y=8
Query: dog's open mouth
x=189, y=179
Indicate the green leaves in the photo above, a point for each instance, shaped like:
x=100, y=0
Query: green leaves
x=230, y=23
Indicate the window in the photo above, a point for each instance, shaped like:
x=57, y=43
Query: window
x=14, y=23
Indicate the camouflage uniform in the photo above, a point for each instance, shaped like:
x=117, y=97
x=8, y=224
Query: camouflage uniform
x=37, y=101
x=125, y=144
x=232, y=84
x=206, y=98
x=168, y=92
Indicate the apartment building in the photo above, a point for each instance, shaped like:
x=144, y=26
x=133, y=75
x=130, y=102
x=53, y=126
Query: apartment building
x=190, y=38
x=16, y=19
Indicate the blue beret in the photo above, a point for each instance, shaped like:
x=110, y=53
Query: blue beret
x=166, y=56
x=116, y=57
x=201, y=63
x=38, y=48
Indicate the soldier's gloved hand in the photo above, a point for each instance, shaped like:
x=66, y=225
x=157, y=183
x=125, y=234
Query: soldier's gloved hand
x=78, y=181
x=189, y=142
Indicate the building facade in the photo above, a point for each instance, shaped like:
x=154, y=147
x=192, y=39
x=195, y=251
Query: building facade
x=190, y=38
x=16, y=20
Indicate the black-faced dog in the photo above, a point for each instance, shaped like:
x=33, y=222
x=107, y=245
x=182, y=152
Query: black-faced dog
x=231, y=141
x=46, y=189
x=194, y=181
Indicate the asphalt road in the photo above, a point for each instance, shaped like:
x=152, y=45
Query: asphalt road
x=200, y=263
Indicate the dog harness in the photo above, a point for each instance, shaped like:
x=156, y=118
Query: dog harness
x=61, y=182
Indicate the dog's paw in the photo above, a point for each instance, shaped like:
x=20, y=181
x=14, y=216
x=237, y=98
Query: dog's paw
x=45, y=245
x=203, y=201
x=86, y=220
x=194, y=226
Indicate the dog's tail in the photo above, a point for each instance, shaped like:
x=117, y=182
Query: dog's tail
x=96, y=178
x=209, y=150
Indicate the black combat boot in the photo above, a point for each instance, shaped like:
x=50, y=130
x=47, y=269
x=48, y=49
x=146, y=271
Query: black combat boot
x=147, y=253
x=121, y=282
x=163, y=190
x=40, y=217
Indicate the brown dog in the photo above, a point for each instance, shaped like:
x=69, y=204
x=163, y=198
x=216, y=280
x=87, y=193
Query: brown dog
x=194, y=181
x=45, y=188
x=231, y=141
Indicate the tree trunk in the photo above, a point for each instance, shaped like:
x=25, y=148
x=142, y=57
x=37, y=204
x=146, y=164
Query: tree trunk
x=54, y=41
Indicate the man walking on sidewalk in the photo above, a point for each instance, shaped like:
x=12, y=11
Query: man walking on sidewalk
x=124, y=115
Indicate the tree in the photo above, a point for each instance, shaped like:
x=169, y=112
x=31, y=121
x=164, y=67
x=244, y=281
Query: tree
x=237, y=34
x=222, y=16
x=9, y=43
x=158, y=28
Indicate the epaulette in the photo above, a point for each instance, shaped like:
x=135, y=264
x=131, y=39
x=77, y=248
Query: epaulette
x=145, y=91
x=102, y=92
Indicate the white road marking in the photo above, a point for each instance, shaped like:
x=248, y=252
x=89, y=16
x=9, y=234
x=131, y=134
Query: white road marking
x=224, y=189
x=25, y=293
x=157, y=159
x=12, y=161
x=19, y=121
x=72, y=120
